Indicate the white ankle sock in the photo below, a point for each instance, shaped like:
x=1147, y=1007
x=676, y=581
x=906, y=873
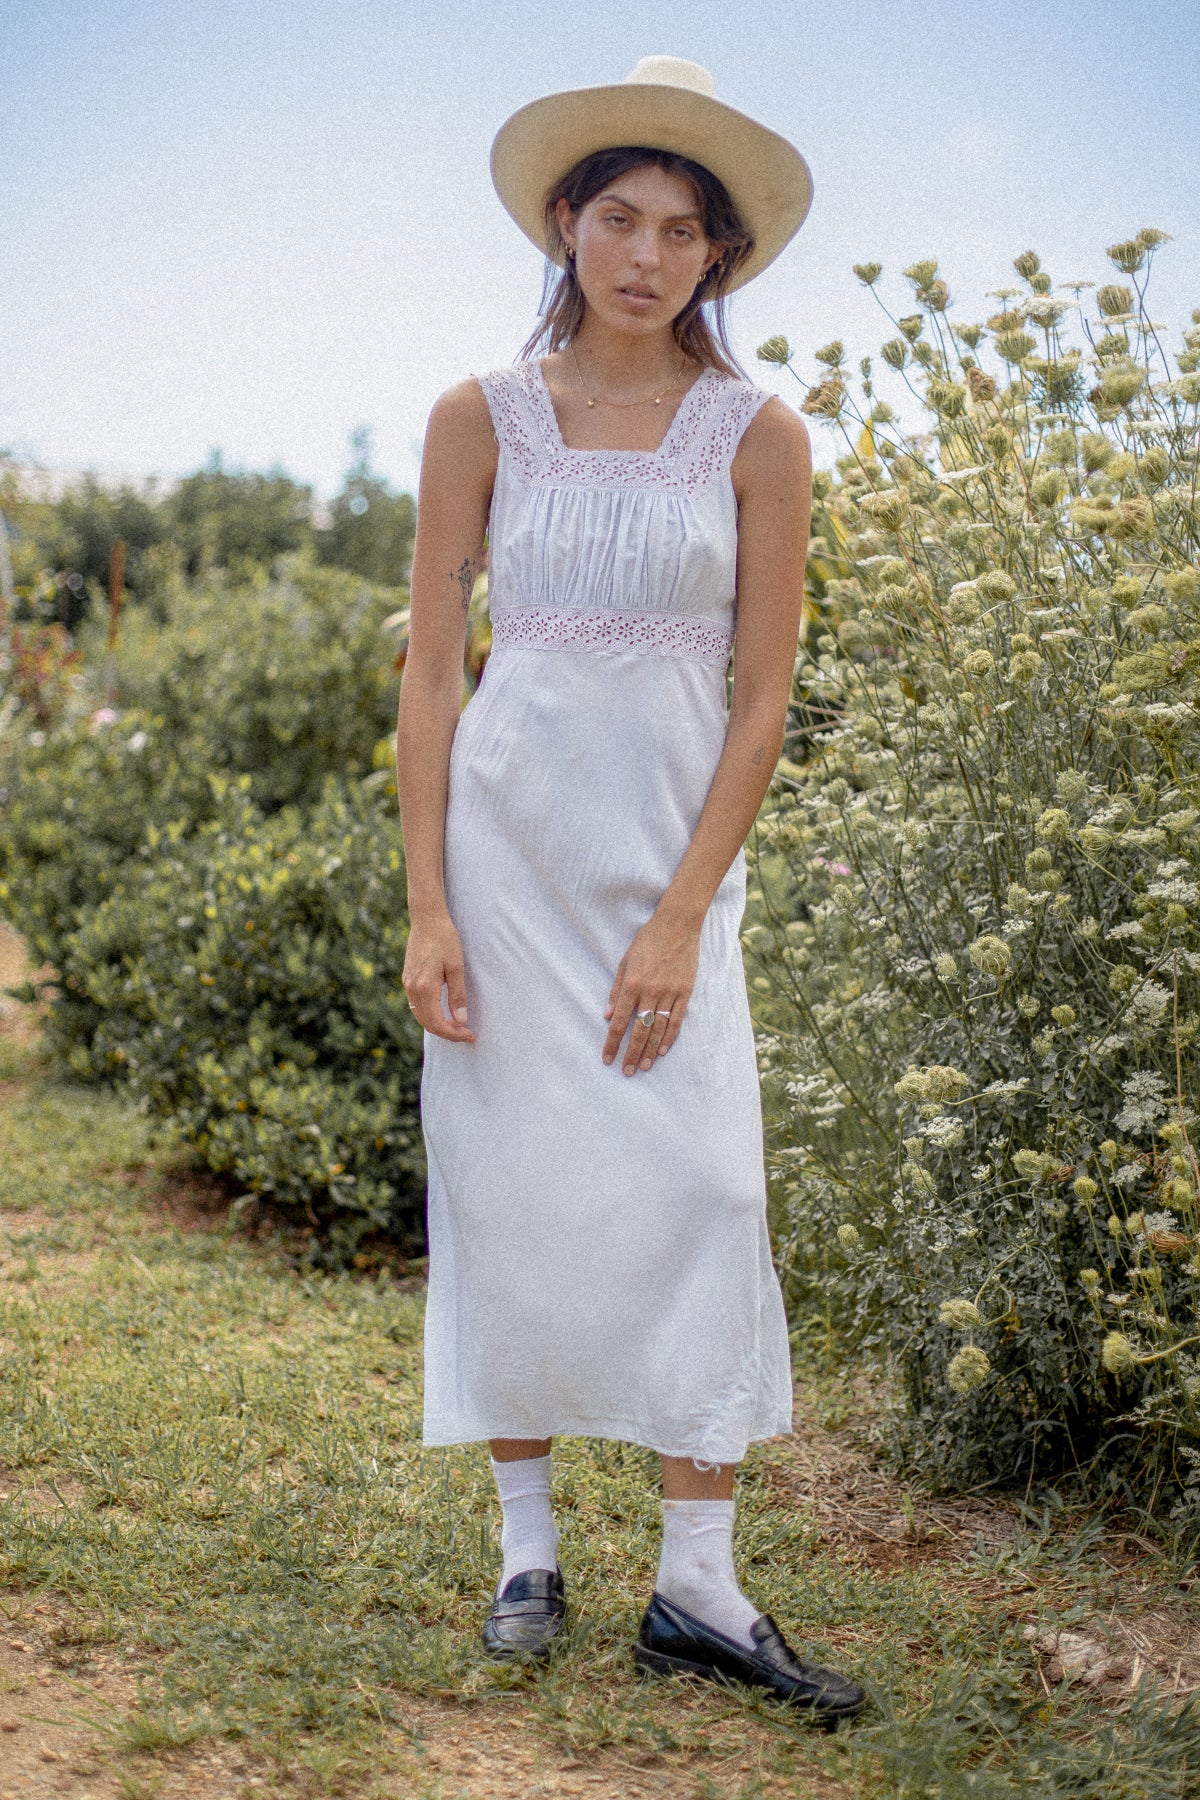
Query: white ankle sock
x=529, y=1539
x=696, y=1570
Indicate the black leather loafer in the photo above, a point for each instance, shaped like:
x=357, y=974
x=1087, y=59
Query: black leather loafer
x=672, y=1642
x=526, y=1615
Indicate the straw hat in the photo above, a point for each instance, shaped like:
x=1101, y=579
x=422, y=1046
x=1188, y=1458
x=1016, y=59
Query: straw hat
x=665, y=104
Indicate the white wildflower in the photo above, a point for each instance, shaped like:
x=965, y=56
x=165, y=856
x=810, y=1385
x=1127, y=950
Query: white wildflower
x=1145, y=1101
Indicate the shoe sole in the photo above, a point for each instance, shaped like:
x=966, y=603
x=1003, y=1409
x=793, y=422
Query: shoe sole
x=654, y=1662
x=541, y=1654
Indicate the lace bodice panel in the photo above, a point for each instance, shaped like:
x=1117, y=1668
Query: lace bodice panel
x=616, y=549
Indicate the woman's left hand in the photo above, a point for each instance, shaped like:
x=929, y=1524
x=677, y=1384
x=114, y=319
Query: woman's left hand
x=657, y=974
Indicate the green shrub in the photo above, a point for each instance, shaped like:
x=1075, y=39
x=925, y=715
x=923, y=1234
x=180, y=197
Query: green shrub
x=975, y=926
x=245, y=981
x=287, y=682
x=235, y=519
x=77, y=806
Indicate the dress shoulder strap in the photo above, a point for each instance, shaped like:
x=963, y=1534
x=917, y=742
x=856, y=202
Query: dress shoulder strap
x=707, y=448
x=511, y=396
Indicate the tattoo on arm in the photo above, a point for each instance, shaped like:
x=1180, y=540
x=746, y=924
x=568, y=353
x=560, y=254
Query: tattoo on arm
x=759, y=754
x=465, y=577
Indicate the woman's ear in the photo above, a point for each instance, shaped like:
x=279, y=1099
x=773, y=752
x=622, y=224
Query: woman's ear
x=566, y=224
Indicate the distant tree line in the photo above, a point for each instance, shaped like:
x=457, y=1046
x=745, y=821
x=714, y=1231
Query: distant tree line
x=216, y=519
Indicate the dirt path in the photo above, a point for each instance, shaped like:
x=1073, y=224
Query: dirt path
x=70, y=1727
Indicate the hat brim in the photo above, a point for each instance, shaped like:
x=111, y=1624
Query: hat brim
x=767, y=179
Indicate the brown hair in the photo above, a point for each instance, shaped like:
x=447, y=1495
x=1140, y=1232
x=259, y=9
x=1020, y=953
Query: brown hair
x=700, y=329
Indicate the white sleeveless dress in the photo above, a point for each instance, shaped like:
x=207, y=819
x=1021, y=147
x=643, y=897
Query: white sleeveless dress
x=598, y=1255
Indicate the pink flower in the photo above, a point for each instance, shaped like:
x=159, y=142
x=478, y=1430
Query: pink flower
x=104, y=715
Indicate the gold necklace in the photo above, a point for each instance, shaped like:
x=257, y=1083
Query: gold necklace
x=656, y=398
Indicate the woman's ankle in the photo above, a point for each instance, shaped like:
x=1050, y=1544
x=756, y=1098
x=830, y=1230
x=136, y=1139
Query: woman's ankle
x=518, y=1449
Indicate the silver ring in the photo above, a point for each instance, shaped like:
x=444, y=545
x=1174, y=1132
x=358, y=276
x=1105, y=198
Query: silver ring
x=646, y=1018
x=663, y=1013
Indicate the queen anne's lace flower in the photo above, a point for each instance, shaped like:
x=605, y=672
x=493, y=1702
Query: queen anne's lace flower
x=991, y=955
x=960, y=1315
x=1145, y=1101
x=969, y=1369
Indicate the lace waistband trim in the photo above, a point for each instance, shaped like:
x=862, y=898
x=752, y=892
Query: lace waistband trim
x=606, y=628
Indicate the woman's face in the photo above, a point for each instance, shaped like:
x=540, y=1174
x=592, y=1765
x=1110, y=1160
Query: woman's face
x=640, y=248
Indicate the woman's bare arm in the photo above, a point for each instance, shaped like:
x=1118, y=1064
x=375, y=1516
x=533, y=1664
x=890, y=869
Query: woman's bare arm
x=458, y=471
x=772, y=475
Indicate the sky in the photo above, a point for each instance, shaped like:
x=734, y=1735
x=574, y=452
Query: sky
x=250, y=226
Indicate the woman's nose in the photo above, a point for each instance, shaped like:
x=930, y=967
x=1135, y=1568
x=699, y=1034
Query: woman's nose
x=645, y=248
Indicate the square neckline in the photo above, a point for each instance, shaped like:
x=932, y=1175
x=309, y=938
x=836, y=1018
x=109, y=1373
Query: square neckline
x=665, y=444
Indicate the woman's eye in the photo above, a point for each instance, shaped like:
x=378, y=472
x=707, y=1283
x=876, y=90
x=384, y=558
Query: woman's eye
x=617, y=219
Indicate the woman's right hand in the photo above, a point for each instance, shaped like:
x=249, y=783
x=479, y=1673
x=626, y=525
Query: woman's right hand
x=433, y=961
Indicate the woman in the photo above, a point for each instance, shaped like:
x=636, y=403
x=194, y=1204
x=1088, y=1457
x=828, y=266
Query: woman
x=599, y=1259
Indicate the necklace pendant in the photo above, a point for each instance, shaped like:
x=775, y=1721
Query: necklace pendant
x=591, y=403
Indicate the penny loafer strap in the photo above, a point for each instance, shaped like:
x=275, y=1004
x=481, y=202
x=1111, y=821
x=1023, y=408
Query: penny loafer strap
x=517, y=1609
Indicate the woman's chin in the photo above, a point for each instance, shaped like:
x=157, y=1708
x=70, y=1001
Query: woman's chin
x=631, y=322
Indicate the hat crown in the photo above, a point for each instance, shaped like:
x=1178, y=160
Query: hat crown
x=671, y=71
x=664, y=104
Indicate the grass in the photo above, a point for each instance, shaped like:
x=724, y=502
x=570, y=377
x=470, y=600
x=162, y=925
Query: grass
x=213, y=1459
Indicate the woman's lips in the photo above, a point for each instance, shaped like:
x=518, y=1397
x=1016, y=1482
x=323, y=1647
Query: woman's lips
x=640, y=299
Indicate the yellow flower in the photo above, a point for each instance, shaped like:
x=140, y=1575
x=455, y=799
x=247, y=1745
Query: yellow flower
x=991, y=955
x=1134, y=518
x=1118, y=386
x=1117, y=1354
x=969, y=1369
x=996, y=585
x=1015, y=346
x=888, y=508
x=935, y=1082
x=825, y=400
x=1114, y=302
x=1129, y=258
x=1024, y=666
x=1053, y=824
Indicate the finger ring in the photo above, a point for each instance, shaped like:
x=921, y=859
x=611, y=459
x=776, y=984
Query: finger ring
x=663, y=1013
x=646, y=1018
